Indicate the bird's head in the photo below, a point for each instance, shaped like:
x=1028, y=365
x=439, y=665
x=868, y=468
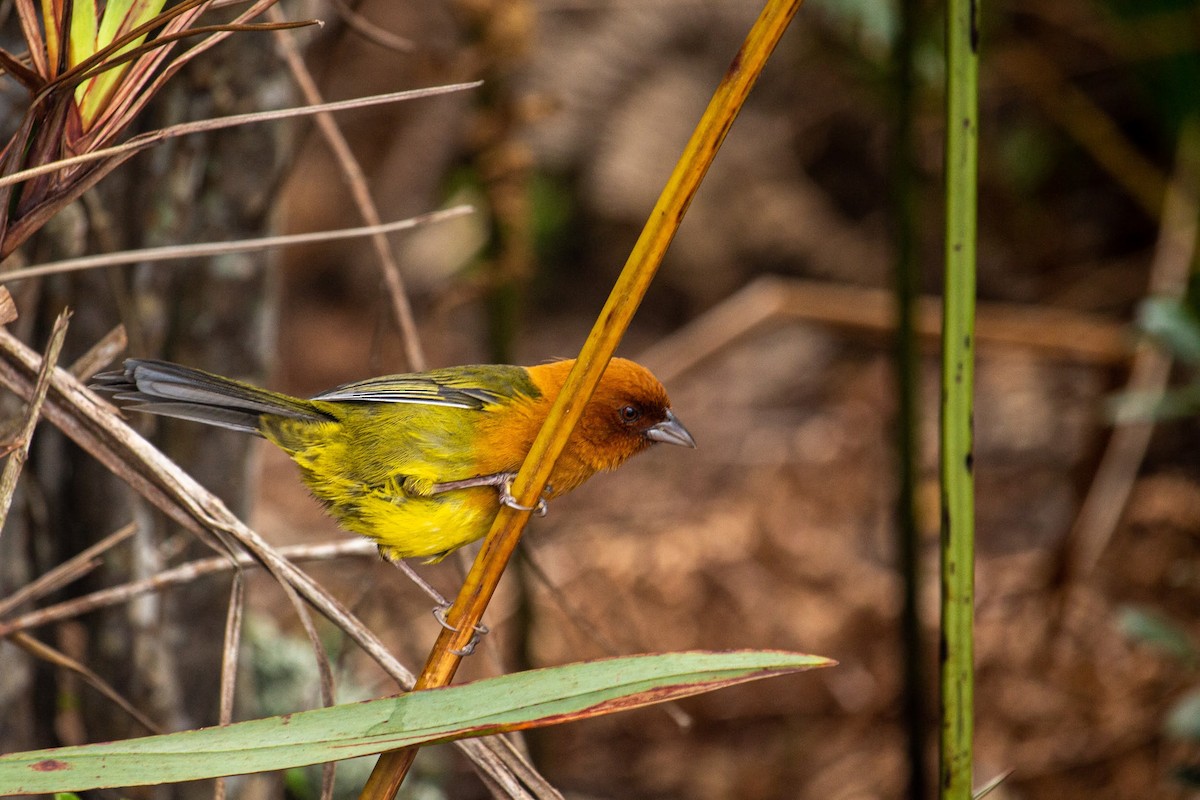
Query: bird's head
x=628, y=412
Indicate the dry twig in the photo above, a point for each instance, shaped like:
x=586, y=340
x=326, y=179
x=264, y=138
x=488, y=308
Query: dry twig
x=20, y=449
x=1109, y=492
x=370, y=31
x=189, y=251
x=176, y=576
x=65, y=573
x=229, y=661
x=150, y=139
x=356, y=180
x=59, y=659
x=1054, y=333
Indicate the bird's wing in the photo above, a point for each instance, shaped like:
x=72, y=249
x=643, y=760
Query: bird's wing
x=474, y=387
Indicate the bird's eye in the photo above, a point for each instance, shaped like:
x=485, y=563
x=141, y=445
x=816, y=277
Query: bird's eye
x=630, y=414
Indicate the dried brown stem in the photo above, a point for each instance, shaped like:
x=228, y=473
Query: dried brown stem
x=208, y=249
x=370, y=31
x=1174, y=254
x=175, y=576
x=1053, y=332
x=356, y=180
x=47, y=653
x=19, y=454
x=151, y=138
x=65, y=573
x=229, y=661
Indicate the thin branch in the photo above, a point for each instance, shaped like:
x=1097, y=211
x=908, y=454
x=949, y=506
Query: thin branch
x=357, y=182
x=67, y=572
x=99, y=355
x=210, y=249
x=152, y=138
x=1174, y=254
x=177, y=576
x=229, y=653
x=370, y=31
x=50, y=654
x=20, y=451
x=229, y=661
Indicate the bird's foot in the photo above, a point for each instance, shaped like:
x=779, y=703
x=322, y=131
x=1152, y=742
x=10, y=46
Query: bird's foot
x=506, y=496
x=503, y=482
x=480, y=631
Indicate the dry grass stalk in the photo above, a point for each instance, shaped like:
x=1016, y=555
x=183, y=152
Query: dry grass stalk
x=356, y=180
x=209, y=249
x=176, y=576
x=1112, y=484
x=59, y=659
x=19, y=450
x=144, y=141
x=65, y=573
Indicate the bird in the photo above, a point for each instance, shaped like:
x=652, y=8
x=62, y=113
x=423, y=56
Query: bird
x=420, y=462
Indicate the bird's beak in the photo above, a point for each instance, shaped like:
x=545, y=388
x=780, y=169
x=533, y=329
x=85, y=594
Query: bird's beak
x=670, y=431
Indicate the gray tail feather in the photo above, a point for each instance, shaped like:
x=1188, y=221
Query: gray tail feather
x=173, y=390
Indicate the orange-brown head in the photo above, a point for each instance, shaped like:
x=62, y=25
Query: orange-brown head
x=629, y=412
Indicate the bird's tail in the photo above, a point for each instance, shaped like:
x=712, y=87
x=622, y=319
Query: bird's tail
x=172, y=390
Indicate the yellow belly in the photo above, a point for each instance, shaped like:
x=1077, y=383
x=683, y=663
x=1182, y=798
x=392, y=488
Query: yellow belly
x=383, y=498
x=408, y=526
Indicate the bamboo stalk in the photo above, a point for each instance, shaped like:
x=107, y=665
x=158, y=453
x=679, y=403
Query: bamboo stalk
x=958, y=379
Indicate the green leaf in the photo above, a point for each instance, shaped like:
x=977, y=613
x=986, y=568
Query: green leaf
x=120, y=17
x=510, y=702
x=82, y=38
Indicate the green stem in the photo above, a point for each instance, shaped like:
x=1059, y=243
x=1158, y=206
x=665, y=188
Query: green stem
x=958, y=378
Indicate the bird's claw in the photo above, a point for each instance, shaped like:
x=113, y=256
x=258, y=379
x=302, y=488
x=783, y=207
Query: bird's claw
x=503, y=482
x=481, y=630
x=506, y=497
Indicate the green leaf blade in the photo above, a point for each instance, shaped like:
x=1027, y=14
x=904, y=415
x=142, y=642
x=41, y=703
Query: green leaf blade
x=510, y=702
